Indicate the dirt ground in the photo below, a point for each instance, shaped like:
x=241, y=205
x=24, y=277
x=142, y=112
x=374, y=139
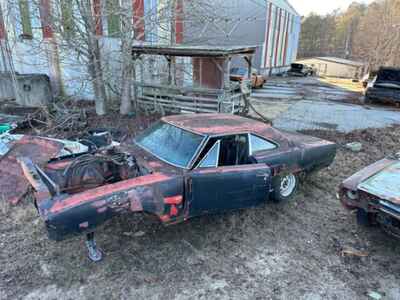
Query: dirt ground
x=286, y=251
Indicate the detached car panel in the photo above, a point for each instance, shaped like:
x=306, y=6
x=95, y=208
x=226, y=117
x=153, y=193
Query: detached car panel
x=375, y=193
x=182, y=167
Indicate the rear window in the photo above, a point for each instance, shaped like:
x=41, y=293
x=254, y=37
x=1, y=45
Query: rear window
x=297, y=66
x=258, y=144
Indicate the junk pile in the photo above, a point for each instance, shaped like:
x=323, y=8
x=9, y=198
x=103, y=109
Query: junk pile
x=15, y=147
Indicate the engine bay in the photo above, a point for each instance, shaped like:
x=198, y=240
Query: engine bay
x=90, y=170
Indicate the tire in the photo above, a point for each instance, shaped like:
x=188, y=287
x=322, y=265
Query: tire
x=363, y=218
x=284, y=187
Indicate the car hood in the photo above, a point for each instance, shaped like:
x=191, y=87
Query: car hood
x=381, y=179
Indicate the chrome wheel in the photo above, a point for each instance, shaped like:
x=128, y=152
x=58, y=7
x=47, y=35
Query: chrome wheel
x=288, y=185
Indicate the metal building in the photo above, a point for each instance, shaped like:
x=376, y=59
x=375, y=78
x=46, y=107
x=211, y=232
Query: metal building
x=26, y=25
x=273, y=26
x=336, y=67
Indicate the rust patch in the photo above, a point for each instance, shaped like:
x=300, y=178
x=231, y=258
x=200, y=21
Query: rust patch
x=102, y=209
x=173, y=211
x=99, y=203
x=176, y=200
x=165, y=218
x=84, y=225
x=13, y=184
x=154, y=164
x=83, y=197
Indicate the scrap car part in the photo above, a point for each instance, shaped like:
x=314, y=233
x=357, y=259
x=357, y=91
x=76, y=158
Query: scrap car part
x=94, y=253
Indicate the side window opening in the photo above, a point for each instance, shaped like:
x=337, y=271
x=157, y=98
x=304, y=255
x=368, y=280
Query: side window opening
x=26, y=22
x=234, y=150
x=259, y=144
x=113, y=18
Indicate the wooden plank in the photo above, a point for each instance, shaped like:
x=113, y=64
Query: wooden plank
x=168, y=101
x=178, y=107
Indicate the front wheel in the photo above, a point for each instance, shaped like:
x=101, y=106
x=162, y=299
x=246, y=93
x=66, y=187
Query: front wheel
x=284, y=187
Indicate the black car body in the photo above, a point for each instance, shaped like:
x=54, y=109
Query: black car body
x=385, y=87
x=182, y=167
x=300, y=70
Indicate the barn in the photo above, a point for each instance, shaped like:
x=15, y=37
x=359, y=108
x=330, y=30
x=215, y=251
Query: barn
x=335, y=67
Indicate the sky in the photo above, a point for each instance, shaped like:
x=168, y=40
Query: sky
x=304, y=7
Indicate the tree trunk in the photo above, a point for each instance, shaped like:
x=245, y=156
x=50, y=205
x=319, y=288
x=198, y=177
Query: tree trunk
x=94, y=63
x=127, y=63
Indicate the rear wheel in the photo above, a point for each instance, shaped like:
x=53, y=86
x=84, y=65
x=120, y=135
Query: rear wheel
x=284, y=187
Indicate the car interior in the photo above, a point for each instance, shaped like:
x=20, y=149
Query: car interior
x=234, y=150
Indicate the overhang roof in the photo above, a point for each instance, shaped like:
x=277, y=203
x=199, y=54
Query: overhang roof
x=342, y=61
x=193, y=50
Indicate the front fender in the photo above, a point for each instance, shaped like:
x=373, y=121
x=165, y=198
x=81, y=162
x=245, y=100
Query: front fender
x=156, y=194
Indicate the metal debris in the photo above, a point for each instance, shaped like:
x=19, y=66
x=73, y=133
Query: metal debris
x=375, y=295
x=355, y=147
x=353, y=252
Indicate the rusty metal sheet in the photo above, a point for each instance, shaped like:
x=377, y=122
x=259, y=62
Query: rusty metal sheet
x=13, y=184
x=385, y=184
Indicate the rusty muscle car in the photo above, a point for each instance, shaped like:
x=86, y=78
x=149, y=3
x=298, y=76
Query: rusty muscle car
x=374, y=193
x=182, y=167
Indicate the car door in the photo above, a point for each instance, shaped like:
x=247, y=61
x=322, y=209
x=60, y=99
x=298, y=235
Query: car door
x=215, y=189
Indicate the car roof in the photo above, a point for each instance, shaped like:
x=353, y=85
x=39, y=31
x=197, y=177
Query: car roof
x=216, y=124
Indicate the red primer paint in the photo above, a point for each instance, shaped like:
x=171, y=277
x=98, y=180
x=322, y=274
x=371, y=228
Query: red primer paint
x=174, y=211
x=174, y=200
x=165, y=218
x=138, y=19
x=45, y=16
x=97, y=17
x=178, y=22
x=99, y=203
x=278, y=36
x=102, y=209
x=102, y=191
x=58, y=165
x=242, y=168
x=154, y=164
x=267, y=34
x=84, y=225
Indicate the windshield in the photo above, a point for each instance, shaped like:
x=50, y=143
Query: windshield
x=388, y=75
x=171, y=144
